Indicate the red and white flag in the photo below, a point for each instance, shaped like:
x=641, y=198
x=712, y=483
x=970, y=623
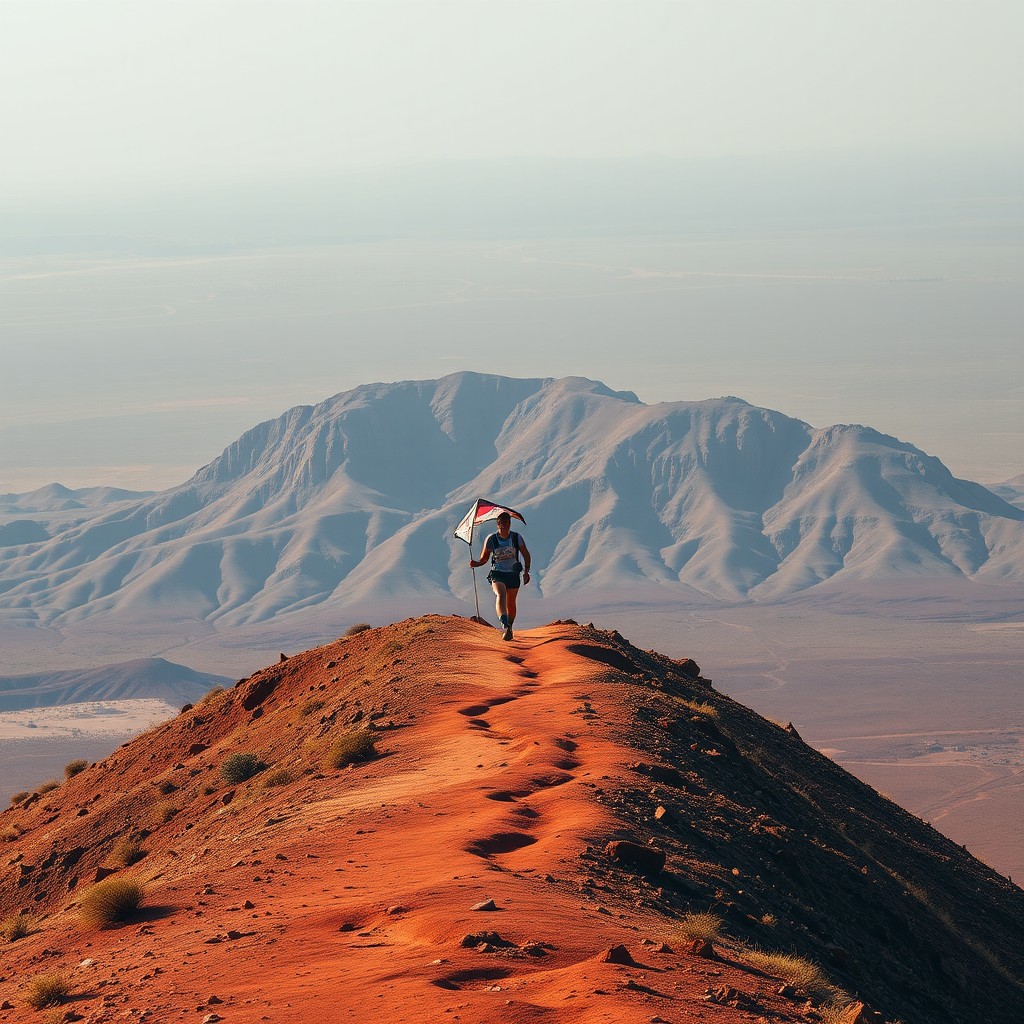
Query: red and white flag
x=481, y=511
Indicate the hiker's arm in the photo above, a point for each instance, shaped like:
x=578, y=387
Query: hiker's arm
x=524, y=551
x=484, y=556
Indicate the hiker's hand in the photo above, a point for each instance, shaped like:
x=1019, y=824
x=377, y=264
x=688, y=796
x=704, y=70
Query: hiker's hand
x=526, y=577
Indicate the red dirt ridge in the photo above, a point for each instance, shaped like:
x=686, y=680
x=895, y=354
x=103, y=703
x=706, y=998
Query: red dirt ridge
x=521, y=838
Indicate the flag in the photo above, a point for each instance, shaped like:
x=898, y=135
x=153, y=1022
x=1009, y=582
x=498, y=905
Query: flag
x=481, y=511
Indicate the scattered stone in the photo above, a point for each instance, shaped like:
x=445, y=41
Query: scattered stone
x=487, y=904
x=87, y=962
x=6, y=1005
x=248, y=905
x=102, y=873
x=617, y=955
x=212, y=1018
x=647, y=859
x=701, y=948
x=859, y=1013
x=196, y=748
x=662, y=947
x=660, y=812
x=726, y=995
x=348, y=926
x=534, y=949
x=786, y=991
x=689, y=668
x=396, y=910
x=214, y=1000
x=493, y=939
x=234, y=935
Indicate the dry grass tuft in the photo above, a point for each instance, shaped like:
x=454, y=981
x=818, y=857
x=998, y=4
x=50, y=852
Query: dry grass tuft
x=212, y=696
x=48, y=787
x=50, y=989
x=17, y=926
x=126, y=852
x=350, y=749
x=277, y=777
x=165, y=810
x=237, y=768
x=112, y=900
x=701, y=926
x=72, y=768
x=359, y=627
x=20, y=798
x=311, y=707
x=165, y=786
x=700, y=708
x=799, y=972
x=10, y=834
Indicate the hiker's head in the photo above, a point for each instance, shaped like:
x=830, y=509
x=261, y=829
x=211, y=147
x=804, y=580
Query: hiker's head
x=504, y=522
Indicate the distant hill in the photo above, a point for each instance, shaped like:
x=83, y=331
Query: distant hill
x=421, y=818
x=58, y=498
x=352, y=501
x=141, y=678
x=1011, y=491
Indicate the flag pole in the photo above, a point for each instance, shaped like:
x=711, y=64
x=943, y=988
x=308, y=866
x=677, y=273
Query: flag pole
x=476, y=596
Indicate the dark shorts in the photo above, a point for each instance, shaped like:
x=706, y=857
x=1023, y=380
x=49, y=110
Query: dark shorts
x=510, y=579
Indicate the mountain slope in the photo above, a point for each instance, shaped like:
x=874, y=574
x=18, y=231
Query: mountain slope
x=504, y=771
x=353, y=500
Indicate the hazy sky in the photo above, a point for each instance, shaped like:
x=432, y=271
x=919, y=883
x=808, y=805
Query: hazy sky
x=100, y=93
x=814, y=205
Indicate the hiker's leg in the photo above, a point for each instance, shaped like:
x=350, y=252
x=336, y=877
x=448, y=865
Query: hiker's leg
x=510, y=601
x=500, y=600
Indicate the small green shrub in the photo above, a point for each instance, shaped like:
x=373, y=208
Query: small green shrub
x=72, y=768
x=17, y=926
x=165, y=786
x=311, y=707
x=237, y=768
x=126, y=852
x=20, y=798
x=112, y=900
x=701, y=926
x=48, y=787
x=359, y=627
x=50, y=989
x=278, y=777
x=350, y=748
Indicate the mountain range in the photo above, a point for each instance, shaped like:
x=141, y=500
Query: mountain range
x=138, y=679
x=352, y=502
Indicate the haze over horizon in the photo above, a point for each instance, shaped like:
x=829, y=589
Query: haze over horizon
x=214, y=212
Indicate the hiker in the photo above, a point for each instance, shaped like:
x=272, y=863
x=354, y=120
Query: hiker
x=505, y=549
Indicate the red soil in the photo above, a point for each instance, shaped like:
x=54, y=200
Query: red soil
x=345, y=895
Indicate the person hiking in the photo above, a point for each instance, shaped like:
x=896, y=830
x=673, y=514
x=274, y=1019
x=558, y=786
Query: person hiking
x=505, y=549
